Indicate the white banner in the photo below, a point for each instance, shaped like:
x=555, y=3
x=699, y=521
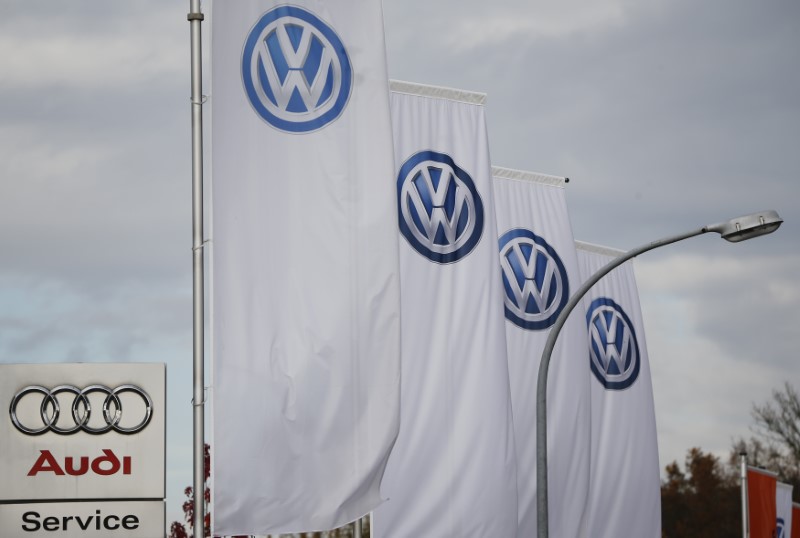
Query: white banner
x=452, y=471
x=539, y=273
x=625, y=488
x=305, y=265
x=783, y=509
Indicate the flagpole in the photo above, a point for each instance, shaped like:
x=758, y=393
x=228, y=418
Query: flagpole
x=195, y=18
x=743, y=476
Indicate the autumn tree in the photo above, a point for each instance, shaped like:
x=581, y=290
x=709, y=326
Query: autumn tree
x=700, y=501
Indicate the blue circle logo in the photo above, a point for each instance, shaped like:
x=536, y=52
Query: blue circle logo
x=534, y=279
x=439, y=208
x=613, y=348
x=295, y=70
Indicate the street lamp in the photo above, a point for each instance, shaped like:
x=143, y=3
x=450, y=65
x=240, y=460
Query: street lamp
x=734, y=230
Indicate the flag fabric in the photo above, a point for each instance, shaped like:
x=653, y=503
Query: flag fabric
x=625, y=487
x=795, y=520
x=761, y=505
x=539, y=273
x=452, y=471
x=305, y=271
x=783, y=509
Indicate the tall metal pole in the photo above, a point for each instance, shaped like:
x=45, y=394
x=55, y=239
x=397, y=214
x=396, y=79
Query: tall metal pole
x=743, y=477
x=542, y=518
x=195, y=18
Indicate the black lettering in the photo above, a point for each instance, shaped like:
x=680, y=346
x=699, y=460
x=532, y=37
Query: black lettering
x=81, y=524
x=31, y=518
x=130, y=522
x=31, y=522
x=109, y=527
x=50, y=523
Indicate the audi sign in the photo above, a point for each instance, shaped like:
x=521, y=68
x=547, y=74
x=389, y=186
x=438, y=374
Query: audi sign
x=82, y=431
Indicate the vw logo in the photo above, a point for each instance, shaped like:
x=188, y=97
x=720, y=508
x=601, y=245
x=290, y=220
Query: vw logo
x=81, y=410
x=781, y=532
x=439, y=208
x=613, y=349
x=295, y=70
x=534, y=279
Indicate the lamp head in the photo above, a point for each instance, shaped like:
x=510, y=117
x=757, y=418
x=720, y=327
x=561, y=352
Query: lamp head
x=748, y=226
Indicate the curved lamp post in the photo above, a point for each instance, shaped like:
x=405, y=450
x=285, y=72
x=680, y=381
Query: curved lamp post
x=734, y=230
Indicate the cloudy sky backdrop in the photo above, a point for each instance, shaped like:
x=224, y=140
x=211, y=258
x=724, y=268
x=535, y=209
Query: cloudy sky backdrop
x=666, y=115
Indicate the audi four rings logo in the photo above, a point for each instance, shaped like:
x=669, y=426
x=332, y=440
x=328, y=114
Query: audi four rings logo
x=81, y=410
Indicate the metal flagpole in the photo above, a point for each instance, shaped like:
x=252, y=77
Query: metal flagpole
x=743, y=476
x=195, y=18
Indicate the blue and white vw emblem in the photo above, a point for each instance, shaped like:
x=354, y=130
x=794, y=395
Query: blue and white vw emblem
x=781, y=530
x=534, y=279
x=439, y=208
x=613, y=348
x=295, y=70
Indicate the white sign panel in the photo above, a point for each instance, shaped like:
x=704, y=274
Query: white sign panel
x=123, y=519
x=82, y=431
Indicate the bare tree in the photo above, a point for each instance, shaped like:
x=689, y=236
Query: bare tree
x=778, y=421
x=776, y=446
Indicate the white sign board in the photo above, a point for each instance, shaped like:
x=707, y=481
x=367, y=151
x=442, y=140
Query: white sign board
x=82, y=431
x=120, y=519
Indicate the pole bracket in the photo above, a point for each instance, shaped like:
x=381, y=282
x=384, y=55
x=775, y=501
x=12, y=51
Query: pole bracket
x=205, y=399
x=195, y=17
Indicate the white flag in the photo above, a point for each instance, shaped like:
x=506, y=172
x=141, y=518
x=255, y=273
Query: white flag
x=452, y=471
x=305, y=265
x=539, y=273
x=783, y=509
x=625, y=488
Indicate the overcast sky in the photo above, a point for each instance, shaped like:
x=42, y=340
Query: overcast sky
x=665, y=114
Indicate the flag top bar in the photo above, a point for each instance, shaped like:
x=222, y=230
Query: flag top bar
x=522, y=175
x=762, y=471
x=598, y=249
x=438, y=92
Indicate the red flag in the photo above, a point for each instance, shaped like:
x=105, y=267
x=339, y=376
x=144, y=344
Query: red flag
x=761, y=488
x=796, y=520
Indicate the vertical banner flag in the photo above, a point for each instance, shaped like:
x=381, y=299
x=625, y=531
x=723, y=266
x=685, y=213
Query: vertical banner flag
x=761, y=507
x=795, y=520
x=452, y=472
x=783, y=509
x=305, y=311
x=539, y=273
x=624, y=484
